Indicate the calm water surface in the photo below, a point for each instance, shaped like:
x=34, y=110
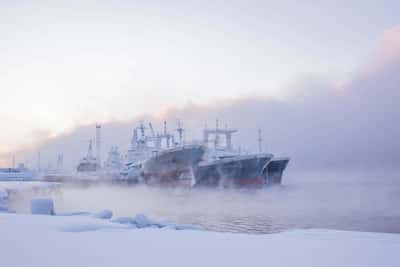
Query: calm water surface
x=344, y=202
x=330, y=200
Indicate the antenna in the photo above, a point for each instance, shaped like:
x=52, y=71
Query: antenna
x=216, y=141
x=166, y=135
x=60, y=161
x=89, y=153
x=98, y=144
x=142, y=128
x=152, y=130
x=38, y=163
x=259, y=141
x=134, y=139
x=180, y=132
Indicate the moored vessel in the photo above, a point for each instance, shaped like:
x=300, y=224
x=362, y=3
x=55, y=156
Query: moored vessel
x=274, y=170
x=233, y=172
x=21, y=173
x=174, y=166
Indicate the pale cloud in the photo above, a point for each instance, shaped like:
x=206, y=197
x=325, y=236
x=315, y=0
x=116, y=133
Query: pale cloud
x=318, y=126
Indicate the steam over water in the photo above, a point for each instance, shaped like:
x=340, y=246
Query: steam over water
x=334, y=201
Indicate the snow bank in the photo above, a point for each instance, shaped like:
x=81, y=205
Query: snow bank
x=141, y=221
x=103, y=214
x=73, y=213
x=3, y=200
x=42, y=206
x=37, y=241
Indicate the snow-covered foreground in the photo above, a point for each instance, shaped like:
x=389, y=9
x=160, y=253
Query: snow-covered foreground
x=40, y=240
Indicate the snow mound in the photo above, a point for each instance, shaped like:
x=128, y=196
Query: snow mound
x=3, y=200
x=73, y=213
x=183, y=227
x=43, y=206
x=124, y=220
x=141, y=221
x=103, y=214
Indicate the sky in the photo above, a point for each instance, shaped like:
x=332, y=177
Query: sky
x=67, y=65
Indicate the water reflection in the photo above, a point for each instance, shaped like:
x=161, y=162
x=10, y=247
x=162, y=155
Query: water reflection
x=345, y=202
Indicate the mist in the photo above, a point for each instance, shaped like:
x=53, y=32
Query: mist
x=333, y=200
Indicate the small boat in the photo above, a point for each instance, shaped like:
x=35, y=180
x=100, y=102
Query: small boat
x=21, y=173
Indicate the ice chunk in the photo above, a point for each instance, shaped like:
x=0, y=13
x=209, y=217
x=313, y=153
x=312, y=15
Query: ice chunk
x=124, y=220
x=3, y=200
x=103, y=214
x=73, y=213
x=141, y=221
x=186, y=227
x=44, y=206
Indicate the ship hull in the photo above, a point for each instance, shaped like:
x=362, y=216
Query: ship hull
x=274, y=170
x=236, y=172
x=172, y=167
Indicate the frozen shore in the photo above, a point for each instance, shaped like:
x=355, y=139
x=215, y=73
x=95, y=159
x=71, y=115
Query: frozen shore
x=40, y=240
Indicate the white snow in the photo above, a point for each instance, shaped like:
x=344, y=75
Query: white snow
x=141, y=221
x=103, y=214
x=64, y=241
x=19, y=186
x=3, y=200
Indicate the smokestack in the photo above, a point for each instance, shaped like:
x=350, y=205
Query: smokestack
x=98, y=144
x=38, y=161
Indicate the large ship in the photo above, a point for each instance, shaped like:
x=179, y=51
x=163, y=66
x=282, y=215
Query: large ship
x=88, y=164
x=225, y=167
x=173, y=166
x=141, y=148
x=113, y=163
x=234, y=171
x=274, y=170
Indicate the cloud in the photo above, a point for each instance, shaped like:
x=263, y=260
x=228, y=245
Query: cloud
x=318, y=126
x=387, y=52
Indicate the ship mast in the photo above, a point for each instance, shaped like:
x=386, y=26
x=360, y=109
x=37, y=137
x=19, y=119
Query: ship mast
x=134, y=139
x=216, y=140
x=98, y=145
x=166, y=135
x=142, y=128
x=89, y=153
x=180, y=132
x=38, y=162
x=259, y=141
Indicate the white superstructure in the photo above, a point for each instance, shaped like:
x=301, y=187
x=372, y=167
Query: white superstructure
x=21, y=173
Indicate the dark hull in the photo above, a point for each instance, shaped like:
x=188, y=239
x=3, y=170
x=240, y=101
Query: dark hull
x=238, y=171
x=87, y=167
x=274, y=170
x=172, y=167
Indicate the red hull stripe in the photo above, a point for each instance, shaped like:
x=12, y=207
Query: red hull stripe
x=250, y=181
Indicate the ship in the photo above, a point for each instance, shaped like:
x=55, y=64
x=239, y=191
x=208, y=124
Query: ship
x=173, y=166
x=224, y=167
x=274, y=170
x=59, y=174
x=88, y=164
x=141, y=148
x=20, y=173
x=232, y=172
x=113, y=163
